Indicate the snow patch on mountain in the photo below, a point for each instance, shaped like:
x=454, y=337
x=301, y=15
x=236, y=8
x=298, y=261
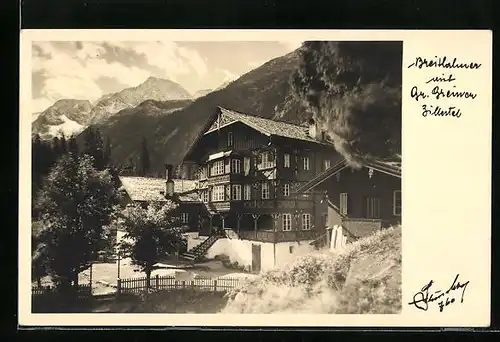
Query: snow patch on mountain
x=68, y=127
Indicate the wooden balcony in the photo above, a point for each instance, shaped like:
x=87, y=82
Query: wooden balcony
x=218, y=206
x=219, y=179
x=279, y=236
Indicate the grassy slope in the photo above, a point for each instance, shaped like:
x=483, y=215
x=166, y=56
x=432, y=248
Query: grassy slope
x=365, y=278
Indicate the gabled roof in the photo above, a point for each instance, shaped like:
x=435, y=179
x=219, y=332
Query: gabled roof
x=265, y=126
x=146, y=189
x=392, y=169
x=271, y=127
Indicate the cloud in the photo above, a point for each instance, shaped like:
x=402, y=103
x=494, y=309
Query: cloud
x=87, y=70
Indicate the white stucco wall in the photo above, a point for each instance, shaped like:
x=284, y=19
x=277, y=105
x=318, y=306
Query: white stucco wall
x=271, y=255
x=283, y=255
x=237, y=250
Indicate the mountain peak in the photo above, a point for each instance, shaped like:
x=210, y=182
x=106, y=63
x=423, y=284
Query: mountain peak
x=151, y=80
x=153, y=88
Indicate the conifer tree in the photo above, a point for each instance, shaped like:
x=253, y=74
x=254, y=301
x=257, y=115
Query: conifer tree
x=93, y=146
x=73, y=146
x=145, y=163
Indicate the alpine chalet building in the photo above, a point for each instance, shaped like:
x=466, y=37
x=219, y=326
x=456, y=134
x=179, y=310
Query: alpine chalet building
x=249, y=170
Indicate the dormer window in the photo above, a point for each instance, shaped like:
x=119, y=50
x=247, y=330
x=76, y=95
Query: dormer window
x=230, y=139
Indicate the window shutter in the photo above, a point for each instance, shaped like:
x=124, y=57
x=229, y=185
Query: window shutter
x=246, y=166
x=344, y=203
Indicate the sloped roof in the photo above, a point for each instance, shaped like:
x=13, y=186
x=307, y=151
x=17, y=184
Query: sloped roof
x=360, y=228
x=272, y=127
x=151, y=189
x=389, y=168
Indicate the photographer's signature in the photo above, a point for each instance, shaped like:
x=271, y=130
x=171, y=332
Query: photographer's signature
x=427, y=296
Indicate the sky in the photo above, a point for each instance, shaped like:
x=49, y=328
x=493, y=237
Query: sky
x=87, y=70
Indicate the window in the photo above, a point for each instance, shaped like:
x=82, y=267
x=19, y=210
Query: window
x=230, y=139
x=247, y=192
x=396, y=203
x=343, y=203
x=246, y=165
x=235, y=166
x=306, y=221
x=266, y=160
x=287, y=222
x=327, y=164
x=218, y=193
x=204, y=196
x=265, y=191
x=286, y=160
x=372, y=207
x=184, y=217
x=306, y=163
x=286, y=189
x=236, y=192
x=290, y=249
x=217, y=168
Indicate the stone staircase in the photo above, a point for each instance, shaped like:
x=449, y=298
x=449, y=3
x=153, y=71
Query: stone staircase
x=197, y=252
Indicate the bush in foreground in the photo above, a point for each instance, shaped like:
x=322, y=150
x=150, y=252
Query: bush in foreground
x=186, y=301
x=363, y=278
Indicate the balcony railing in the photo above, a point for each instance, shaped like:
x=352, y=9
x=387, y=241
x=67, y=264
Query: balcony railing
x=218, y=206
x=281, y=236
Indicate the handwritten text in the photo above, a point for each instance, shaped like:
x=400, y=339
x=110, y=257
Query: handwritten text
x=441, y=87
x=426, y=296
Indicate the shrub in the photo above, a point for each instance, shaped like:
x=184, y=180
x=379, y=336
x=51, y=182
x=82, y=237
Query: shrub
x=363, y=278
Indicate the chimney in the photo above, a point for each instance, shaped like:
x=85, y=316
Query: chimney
x=313, y=129
x=169, y=182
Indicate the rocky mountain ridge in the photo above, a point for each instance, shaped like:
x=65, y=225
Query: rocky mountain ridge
x=70, y=116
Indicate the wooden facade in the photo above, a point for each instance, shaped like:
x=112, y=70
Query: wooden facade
x=248, y=176
x=365, y=194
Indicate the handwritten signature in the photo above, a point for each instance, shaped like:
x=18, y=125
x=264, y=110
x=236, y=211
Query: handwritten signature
x=425, y=296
